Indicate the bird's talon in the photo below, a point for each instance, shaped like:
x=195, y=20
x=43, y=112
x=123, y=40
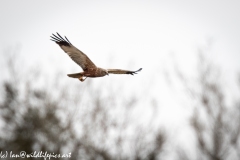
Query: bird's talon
x=81, y=79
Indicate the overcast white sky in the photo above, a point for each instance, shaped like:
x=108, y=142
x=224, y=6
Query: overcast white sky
x=124, y=34
x=145, y=30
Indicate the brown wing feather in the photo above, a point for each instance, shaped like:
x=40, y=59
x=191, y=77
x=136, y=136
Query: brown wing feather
x=120, y=71
x=76, y=55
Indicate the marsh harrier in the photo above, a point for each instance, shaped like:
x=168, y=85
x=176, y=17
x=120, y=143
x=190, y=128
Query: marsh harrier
x=89, y=68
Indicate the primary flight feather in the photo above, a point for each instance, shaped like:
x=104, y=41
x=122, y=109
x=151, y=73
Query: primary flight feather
x=89, y=68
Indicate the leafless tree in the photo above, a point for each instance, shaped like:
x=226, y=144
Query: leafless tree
x=62, y=120
x=216, y=124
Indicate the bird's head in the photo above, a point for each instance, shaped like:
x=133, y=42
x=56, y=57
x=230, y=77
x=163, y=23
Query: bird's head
x=104, y=72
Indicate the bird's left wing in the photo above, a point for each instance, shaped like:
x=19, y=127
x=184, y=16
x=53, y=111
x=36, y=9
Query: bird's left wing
x=76, y=55
x=120, y=71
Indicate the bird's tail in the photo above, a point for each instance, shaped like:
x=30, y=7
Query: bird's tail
x=75, y=75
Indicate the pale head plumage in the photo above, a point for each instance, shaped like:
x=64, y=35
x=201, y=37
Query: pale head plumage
x=103, y=72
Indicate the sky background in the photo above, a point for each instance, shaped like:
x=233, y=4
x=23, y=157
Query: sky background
x=127, y=35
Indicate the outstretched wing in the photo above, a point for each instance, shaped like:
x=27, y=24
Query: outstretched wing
x=77, y=56
x=120, y=71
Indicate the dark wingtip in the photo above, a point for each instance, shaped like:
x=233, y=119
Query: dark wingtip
x=135, y=72
x=60, y=40
x=68, y=40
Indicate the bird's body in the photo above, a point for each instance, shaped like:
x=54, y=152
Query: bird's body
x=89, y=68
x=91, y=72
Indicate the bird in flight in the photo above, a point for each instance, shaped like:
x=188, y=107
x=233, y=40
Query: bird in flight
x=89, y=68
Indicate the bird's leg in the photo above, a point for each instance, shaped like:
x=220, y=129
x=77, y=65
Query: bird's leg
x=81, y=78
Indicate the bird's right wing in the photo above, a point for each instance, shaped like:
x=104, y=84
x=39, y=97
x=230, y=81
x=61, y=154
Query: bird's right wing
x=76, y=55
x=121, y=71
